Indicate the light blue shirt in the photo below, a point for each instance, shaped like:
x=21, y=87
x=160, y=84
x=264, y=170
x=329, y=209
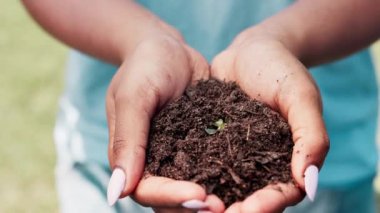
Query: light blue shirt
x=348, y=88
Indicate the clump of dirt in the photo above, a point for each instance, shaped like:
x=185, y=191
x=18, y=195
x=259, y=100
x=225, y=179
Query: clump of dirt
x=216, y=136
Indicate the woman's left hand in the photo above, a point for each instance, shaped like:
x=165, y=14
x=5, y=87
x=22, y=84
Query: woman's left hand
x=268, y=72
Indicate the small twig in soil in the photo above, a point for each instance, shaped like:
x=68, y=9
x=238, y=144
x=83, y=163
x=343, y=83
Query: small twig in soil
x=266, y=168
x=273, y=155
x=229, y=114
x=250, y=112
x=229, y=146
x=234, y=176
x=217, y=162
x=249, y=128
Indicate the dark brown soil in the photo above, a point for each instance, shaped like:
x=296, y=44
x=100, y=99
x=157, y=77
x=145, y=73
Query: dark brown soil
x=218, y=137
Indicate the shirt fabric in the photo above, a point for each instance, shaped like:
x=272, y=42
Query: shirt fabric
x=348, y=88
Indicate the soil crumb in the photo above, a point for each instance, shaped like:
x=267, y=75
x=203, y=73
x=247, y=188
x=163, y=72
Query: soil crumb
x=218, y=137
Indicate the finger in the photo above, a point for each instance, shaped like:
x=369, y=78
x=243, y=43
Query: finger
x=274, y=198
x=199, y=65
x=111, y=117
x=221, y=68
x=111, y=113
x=303, y=109
x=215, y=204
x=165, y=192
x=134, y=107
x=172, y=210
x=234, y=208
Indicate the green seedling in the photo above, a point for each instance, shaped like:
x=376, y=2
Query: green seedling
x=219, y=125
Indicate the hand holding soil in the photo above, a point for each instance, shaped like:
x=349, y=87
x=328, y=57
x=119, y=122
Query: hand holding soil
x=156, y=72
x=216, y=136
x=267, y=71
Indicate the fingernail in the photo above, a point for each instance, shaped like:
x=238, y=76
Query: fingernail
x=194, y=204
x=115, y=186
x=311, y=181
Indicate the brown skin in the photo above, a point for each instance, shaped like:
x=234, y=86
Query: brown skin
x=255, y=64
x=122, y=32
x=139, y=88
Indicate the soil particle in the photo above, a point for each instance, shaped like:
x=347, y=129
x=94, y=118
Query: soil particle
x=216, y=136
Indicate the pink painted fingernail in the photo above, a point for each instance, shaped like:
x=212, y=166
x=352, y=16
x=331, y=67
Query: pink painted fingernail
x=115, y=186
x=311, y=181
x=194, y=204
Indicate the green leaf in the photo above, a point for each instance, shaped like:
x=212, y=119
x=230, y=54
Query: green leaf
x=220, y=124
x=210, y=131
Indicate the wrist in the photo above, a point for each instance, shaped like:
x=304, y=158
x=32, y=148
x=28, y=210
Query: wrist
x=265, y=34
x=153, y=30
x=158, y=44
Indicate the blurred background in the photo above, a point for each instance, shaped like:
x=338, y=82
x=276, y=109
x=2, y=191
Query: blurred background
x=31, y=64
x=31, y=76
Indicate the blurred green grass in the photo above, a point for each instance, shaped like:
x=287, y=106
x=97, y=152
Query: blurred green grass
x=31, y=76
x=31, y=65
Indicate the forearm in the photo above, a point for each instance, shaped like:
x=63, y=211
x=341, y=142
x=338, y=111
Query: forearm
x=109, y=30
x=323, y=30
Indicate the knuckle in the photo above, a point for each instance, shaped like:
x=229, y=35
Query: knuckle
x=119, y=145
x=141, y=97
x=326, y=143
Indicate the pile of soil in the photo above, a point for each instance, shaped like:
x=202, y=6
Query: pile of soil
x=216, y=136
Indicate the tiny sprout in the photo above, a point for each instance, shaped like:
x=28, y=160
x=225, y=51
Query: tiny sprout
x=219, y=124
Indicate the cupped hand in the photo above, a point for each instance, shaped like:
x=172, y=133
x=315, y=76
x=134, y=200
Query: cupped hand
x=157, y=72
x=267, y=71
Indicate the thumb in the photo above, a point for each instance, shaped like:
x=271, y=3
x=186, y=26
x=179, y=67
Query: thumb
x=133, y=108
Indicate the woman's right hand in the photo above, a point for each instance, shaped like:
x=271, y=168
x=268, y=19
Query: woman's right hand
x=155, y=73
